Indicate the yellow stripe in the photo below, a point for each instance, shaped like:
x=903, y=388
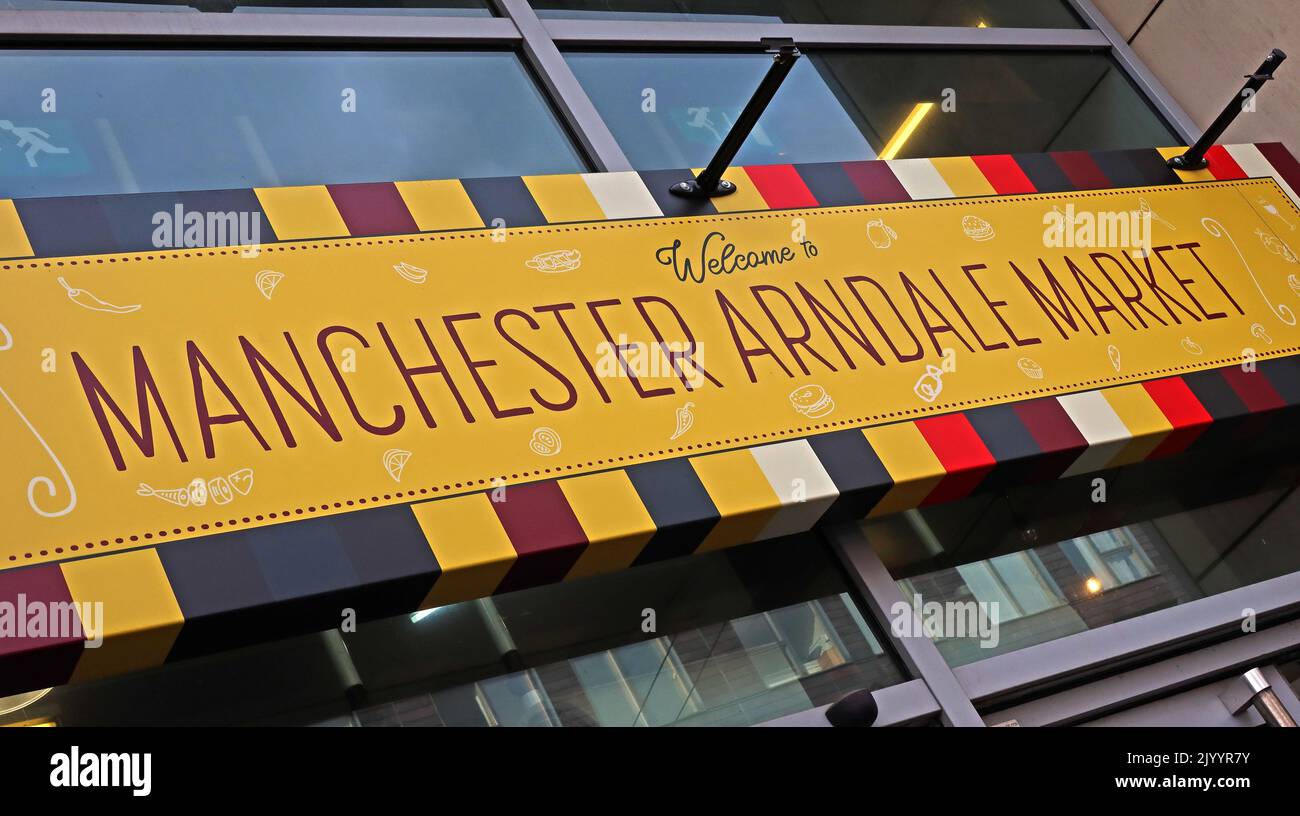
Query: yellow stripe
x=470, y=544
x=911, y=463
x=1185, y=175
x=439, y=205
x=564, y=198
x=612, y=515
x=742, y=494
x=963, y=176
x=140, y=616
x=13, y=238
x=746, y=196
x=298, y=213
x=1143, y=418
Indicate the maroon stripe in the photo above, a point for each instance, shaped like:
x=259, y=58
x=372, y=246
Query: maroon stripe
x=1254, y=389
x=544, y=531
x=1081, y=169
x=1283, y=162
x=1055, y=433
x=876, y=182
x=28, y=663
x=372, y=209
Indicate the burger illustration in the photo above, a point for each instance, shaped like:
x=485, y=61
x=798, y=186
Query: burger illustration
x=812, y=401
x=976, y=228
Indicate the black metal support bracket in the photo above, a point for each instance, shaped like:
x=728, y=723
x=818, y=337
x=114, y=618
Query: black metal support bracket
x=710, y=182
x=1194, y=157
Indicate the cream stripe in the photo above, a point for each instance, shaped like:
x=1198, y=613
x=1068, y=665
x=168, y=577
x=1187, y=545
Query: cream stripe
x=920, y=178
x=1248, y=157
x=801, y=483
x=622, y=195
x=1105, y=432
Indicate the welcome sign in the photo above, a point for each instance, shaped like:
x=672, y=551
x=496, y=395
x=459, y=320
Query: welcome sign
x=181, y=392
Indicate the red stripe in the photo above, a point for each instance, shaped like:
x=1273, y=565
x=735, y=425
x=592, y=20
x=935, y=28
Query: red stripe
x=1254, y=389
x=780, y=186
x=1283, y=162
x=961, y=452
x=1222, y=166
x=544, y=531
x=1081, y=169
x=372, y=209
x=1004, y=174
x=1183, y=410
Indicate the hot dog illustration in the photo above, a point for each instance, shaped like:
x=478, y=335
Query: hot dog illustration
x=86, y=300
x=560, y=260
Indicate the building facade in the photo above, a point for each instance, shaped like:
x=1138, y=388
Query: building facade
x=1122, y=564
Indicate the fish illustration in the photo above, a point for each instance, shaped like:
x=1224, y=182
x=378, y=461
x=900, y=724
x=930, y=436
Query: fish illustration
x=1276, y=246
x=86, y=300
x=1113, y=352
x=1191, y=346
x=685, y=419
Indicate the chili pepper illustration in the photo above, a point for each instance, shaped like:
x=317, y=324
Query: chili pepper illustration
x=86, y=300
x=685, y=419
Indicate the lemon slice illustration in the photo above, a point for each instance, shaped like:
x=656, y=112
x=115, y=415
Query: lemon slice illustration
x=395, y=461
x=267, y=280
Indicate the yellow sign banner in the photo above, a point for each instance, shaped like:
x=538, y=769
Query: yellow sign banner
x=155, y=396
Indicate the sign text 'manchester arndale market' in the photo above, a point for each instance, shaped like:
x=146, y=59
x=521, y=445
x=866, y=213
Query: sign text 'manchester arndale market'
x=185, y=392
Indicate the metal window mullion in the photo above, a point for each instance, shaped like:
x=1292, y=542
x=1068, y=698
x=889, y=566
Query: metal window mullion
x=680, y=34
x=919, y=653
x=567, y=94
x=1102, y=650
x=1138, y=73
x=1157, y=680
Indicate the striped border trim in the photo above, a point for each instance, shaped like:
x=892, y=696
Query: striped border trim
x=186, y=598
x=123, y=223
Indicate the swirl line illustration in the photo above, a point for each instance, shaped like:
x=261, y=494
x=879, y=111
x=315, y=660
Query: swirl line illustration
x=6, y=343
x=1280, y=310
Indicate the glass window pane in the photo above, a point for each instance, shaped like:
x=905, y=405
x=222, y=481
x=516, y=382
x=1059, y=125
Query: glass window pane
x=1056, y=563
x=740, y=636
x=671, y=110
x=983, y=13
x=140, y=121
x=444, y=8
